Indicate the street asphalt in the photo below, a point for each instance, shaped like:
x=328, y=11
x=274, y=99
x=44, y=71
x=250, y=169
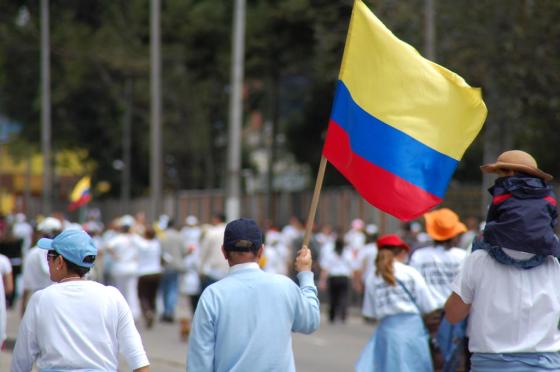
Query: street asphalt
x=334, y=347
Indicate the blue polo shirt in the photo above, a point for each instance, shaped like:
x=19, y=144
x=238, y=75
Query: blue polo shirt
x=244, y=322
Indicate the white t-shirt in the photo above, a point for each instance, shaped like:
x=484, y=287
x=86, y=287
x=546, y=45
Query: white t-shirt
x=5, y=265
x=366, y=259
x=382, y=299
x=23, y=230
x=36, y=270
x=77, y=325
x=512, y=310
x=125, y=254
x=3, y=314
x=338, y=265
x=275, y=259
x=5, y=268
x=439, y=267
x=355, y=239
x=149, y=256
x=191, y=236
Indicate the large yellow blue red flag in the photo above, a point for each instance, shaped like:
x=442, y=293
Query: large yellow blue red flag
x=399, y=123
x=81, y=194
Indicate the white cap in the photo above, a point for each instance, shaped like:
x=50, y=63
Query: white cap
x=371, y=229
x=191, y=220
x=357, y=224
x=49, y=225
x=126, y=220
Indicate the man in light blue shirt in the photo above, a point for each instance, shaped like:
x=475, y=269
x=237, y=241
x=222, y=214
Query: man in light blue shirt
x=244, y=322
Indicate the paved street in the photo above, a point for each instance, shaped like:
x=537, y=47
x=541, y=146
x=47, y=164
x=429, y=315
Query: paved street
x=333, y=348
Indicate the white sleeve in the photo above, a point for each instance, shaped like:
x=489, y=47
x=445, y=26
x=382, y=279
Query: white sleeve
x=368, y=307
x=3, y=314
x=464, y=282
x=5, y=265
x=26, y=349
x=128, y=338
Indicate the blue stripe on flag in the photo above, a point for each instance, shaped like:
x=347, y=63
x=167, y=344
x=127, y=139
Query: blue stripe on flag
x=391, y=149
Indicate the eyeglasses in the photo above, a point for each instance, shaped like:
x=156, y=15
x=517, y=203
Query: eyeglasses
x=52, y=254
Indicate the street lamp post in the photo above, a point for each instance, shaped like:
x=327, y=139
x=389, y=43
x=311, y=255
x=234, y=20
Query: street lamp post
x=46, y=108
x=155, y=129
x=233, y=202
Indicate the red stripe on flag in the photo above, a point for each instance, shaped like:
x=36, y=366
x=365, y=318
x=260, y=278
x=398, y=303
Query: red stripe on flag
x=84, y=199
x=382, y=189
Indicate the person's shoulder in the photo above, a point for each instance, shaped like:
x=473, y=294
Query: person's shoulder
x=422, y=253
x=553, y=262
x=458, y=252
x=478, y=258
x=34, y=252
x=278, y=278
x=401, y=268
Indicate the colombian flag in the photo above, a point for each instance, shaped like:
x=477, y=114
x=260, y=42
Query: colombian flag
x=399, y=123
x=81, y=194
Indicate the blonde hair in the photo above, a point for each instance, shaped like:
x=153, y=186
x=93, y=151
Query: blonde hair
x=384, y=266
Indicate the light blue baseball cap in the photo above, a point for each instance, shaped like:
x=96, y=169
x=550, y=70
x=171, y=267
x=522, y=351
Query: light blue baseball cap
x=73, y=245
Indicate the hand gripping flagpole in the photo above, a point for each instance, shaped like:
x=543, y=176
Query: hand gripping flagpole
x=314, y=201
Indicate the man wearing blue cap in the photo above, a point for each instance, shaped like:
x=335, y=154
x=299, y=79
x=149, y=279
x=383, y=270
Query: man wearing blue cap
x=76, y=324
x=244, y=321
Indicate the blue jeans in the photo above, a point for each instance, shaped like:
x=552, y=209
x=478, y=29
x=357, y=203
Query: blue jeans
x=170, y=290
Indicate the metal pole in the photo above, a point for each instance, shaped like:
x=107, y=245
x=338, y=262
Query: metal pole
x=46, y=108
x=233, y=203
x=127, y=123
x=430, y=29
x=155, y=130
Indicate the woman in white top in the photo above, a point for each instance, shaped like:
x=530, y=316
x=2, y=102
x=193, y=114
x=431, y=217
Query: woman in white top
x=396, y=295
x=149, y=273
x=336, y=271
x=76, y=324
x=123, y=249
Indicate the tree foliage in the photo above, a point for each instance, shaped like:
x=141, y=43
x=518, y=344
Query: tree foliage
x=293, y=50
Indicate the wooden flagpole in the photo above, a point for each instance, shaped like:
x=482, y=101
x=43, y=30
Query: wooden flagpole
x=314, y=201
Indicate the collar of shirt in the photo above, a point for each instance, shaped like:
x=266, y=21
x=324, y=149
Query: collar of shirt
x=243, y=266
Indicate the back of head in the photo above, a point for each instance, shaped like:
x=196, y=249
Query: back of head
x=339, y=246
x=390, y=246
x=242, y=236
x=384, y=266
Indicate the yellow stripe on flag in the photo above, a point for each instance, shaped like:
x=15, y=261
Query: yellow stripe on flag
x=81, y=186
x=391, y=81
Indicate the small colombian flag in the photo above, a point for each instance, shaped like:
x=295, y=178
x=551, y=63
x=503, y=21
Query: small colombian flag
x=399, y=123
x=81, y=194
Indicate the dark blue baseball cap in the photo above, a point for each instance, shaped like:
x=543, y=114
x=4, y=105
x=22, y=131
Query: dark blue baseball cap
x=73, y=245
x=242, y=235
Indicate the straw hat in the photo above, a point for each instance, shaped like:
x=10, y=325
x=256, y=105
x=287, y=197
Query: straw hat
x=443, y=224
x=517, y=160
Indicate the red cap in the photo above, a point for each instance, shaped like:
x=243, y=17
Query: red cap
x=392, y=240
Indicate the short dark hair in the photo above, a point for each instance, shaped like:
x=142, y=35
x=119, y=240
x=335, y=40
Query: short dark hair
x=76, y=269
